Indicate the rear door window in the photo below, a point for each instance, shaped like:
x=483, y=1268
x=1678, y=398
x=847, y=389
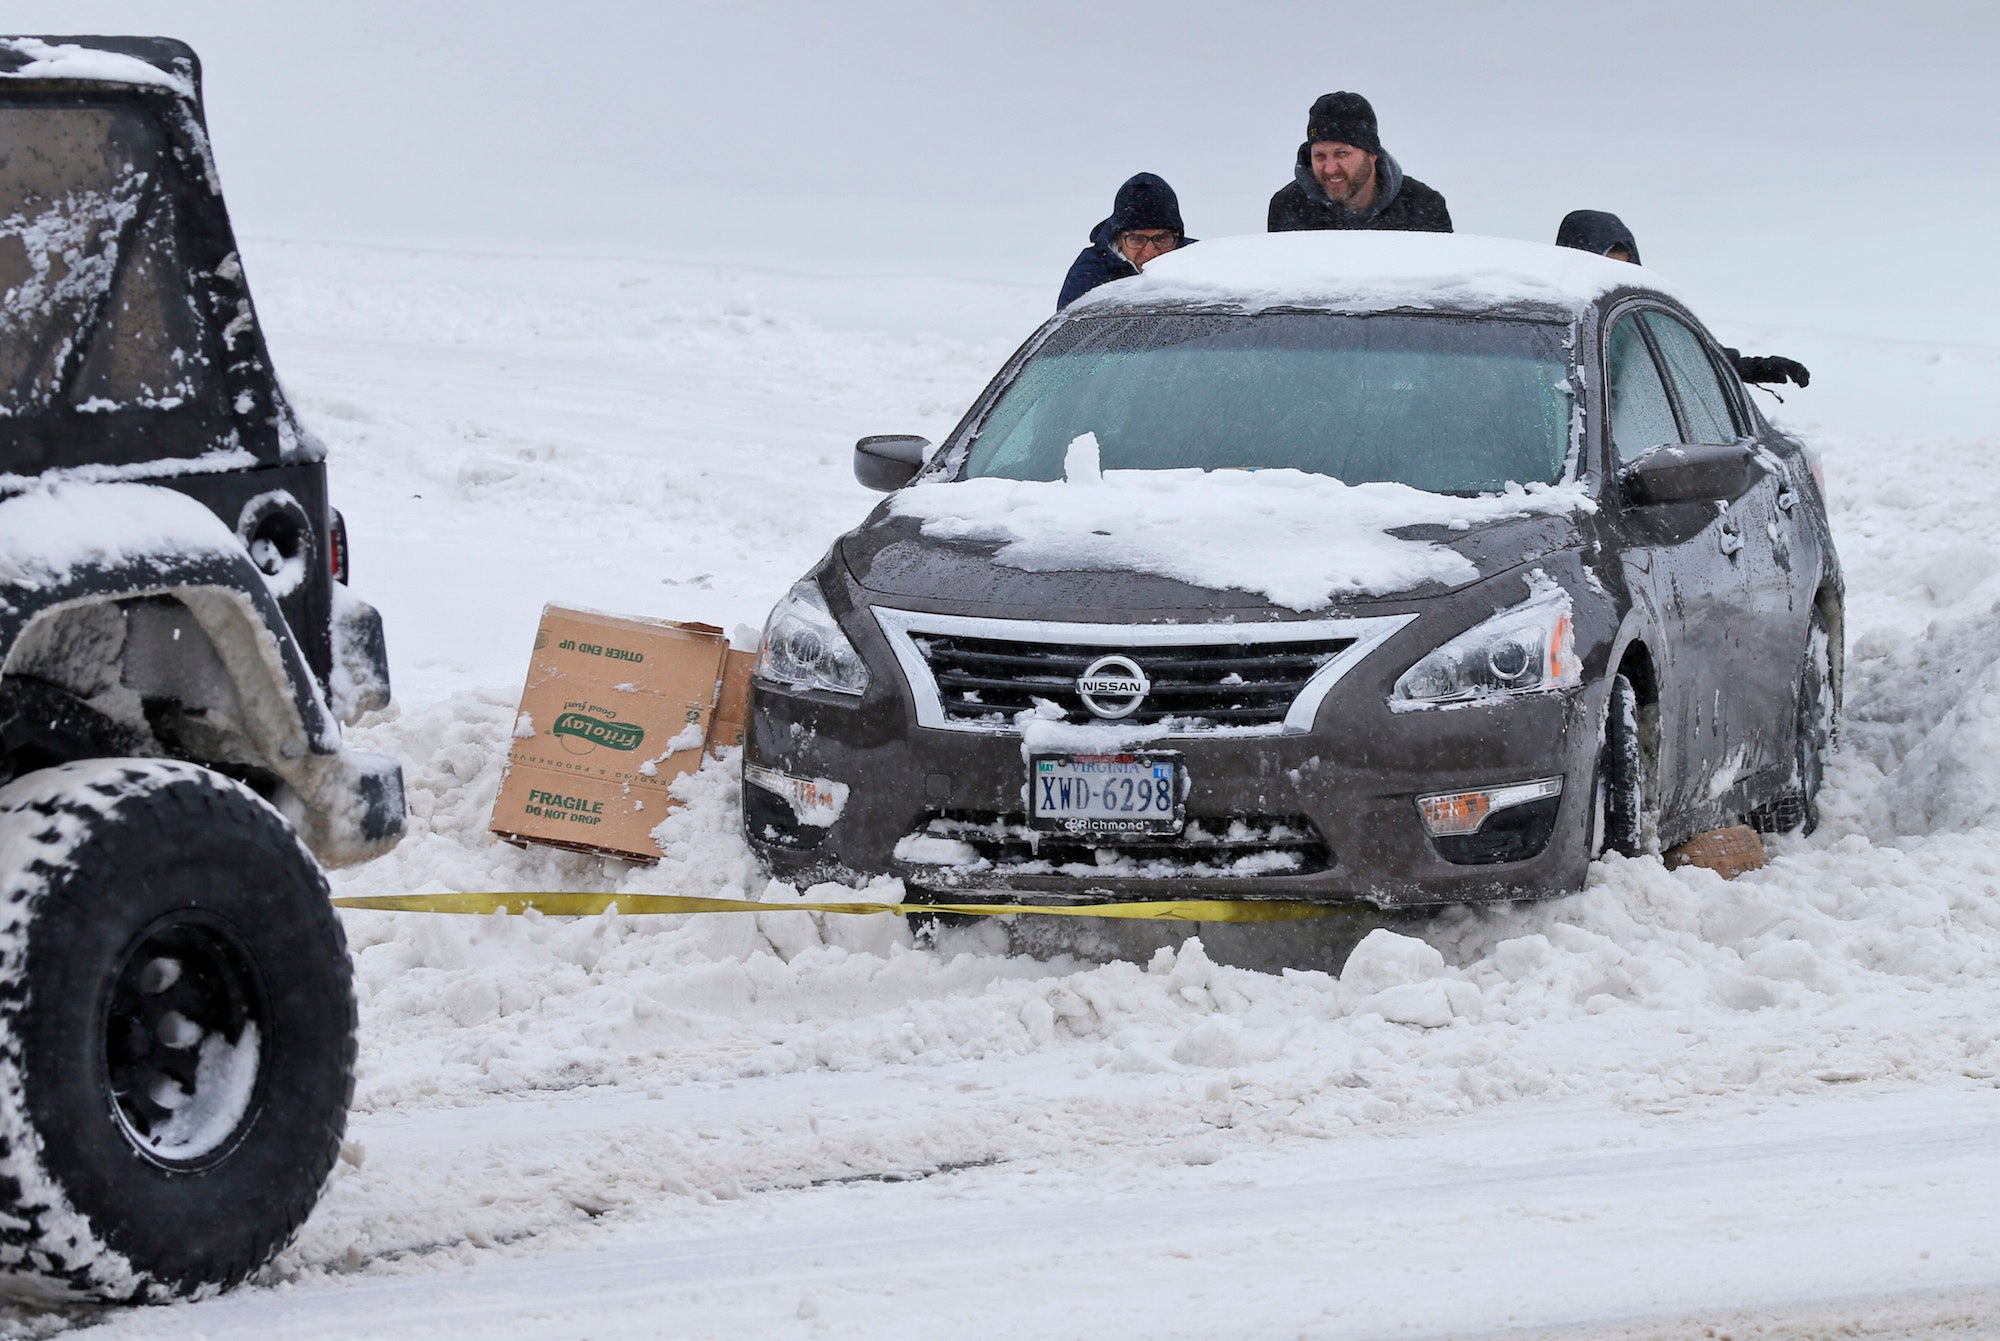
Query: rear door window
x=1642, y=417
x=102, y=344
x=1711, y=418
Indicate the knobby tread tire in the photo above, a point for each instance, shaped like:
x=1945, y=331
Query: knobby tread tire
x=93, y=856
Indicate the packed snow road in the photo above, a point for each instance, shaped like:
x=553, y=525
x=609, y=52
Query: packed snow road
x=1776, y=1094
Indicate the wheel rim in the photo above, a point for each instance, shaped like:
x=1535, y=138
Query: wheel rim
x=185, y=1034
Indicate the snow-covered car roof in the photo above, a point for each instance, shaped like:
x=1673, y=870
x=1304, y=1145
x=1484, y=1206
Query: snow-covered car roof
x=158, y=62
x=1374, y=272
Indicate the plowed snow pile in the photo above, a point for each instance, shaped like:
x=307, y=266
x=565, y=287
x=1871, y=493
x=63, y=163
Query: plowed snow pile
x=1866, y=951
x=671, y=443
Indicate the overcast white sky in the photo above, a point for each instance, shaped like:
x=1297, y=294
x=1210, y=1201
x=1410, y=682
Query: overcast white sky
x=1833, y=163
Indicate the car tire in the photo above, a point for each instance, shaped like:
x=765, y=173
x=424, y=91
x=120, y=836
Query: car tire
x=1815, y=717
x=176, y=1032
x=1618, y=788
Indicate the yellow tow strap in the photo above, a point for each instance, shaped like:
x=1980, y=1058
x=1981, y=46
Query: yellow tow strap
x=561, y=903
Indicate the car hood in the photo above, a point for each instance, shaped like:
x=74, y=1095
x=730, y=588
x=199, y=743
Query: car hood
x=894, y=557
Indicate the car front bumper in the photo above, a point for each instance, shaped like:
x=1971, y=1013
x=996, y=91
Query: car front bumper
x=1328, y=814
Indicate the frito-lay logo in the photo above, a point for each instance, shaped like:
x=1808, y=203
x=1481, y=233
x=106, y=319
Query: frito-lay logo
x=595, y=731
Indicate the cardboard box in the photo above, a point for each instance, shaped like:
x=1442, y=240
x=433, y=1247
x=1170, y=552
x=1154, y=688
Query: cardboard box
x=732, y=705
x=615, y=709
x=1728, y=852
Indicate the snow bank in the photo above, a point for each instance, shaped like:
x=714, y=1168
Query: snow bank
x=1367, y=271
x=1825, y=967
x=1863, y=952
x=565, y=1082
x=726, y=420
x=1302, y=540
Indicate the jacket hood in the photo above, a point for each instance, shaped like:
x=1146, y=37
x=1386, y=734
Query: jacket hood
x=1143, y=203
x=1596, y=232
x=1100, y=238
x=1146, y=201
x=1389, y=185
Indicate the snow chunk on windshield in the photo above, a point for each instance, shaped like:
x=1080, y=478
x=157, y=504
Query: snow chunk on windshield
x=1369, y=271
x=1298, y=539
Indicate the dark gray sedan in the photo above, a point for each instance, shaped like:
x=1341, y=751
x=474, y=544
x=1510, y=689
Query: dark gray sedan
x=1390, y=567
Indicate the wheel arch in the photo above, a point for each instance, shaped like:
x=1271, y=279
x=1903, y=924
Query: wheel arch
x=347, y=805
x=286, y=717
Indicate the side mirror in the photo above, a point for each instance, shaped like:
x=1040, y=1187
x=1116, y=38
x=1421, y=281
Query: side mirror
x=889, y=461
x=1690, y=473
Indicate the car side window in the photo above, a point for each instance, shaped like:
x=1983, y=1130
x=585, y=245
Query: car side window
x=1642, y=417
x=1706, y=404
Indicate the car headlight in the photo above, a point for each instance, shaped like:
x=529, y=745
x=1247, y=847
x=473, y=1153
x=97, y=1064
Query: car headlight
x=803, y=646
x=1525, y=649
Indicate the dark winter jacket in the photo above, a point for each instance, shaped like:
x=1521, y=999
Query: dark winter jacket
x=1143, y=204
x=1596, y=232
x=1401, y=203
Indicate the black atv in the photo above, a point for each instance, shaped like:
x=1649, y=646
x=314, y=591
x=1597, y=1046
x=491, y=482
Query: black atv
x=178, y=650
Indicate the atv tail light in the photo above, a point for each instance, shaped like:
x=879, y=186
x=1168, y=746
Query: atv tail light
x=1455, y=814
x=336, y=549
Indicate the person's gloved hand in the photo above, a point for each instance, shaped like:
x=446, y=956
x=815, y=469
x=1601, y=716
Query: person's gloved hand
x=1772, y=368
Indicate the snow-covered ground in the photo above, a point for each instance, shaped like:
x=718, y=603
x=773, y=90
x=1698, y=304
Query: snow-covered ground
x=1769, y=1105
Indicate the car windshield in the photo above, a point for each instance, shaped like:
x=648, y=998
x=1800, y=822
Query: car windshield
x=1446, y=404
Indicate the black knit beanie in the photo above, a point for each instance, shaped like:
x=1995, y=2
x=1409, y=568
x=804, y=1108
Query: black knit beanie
x=1344, y=118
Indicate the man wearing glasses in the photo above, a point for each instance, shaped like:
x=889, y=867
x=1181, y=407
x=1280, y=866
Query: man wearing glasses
x=1145, y=222
x=1344, y=178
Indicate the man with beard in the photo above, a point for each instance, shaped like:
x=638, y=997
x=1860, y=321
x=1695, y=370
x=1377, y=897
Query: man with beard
x=1344, y=178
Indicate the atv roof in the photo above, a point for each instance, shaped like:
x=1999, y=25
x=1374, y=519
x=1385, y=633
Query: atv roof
x=160, y=62
x=146, y=360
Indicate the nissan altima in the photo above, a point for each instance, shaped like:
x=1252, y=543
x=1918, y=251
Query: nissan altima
x=1329, y=566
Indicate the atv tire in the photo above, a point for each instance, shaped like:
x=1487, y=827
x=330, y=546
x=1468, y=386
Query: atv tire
x=176, y=1032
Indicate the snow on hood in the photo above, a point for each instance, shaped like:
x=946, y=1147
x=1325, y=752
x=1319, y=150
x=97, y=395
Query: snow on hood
x=48, y=533
x=1300, y=540
x=1375, y=271
x=67, y=60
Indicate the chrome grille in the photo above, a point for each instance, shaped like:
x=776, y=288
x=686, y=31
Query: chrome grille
x=1220, y=684
x=1263, y=677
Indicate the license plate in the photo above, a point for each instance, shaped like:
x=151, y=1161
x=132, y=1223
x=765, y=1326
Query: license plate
x=1127, y=793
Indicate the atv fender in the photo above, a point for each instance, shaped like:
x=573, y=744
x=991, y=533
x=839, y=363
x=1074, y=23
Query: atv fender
x=83, y=544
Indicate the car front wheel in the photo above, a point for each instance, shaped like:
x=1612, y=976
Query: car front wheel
x=1618, y=789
